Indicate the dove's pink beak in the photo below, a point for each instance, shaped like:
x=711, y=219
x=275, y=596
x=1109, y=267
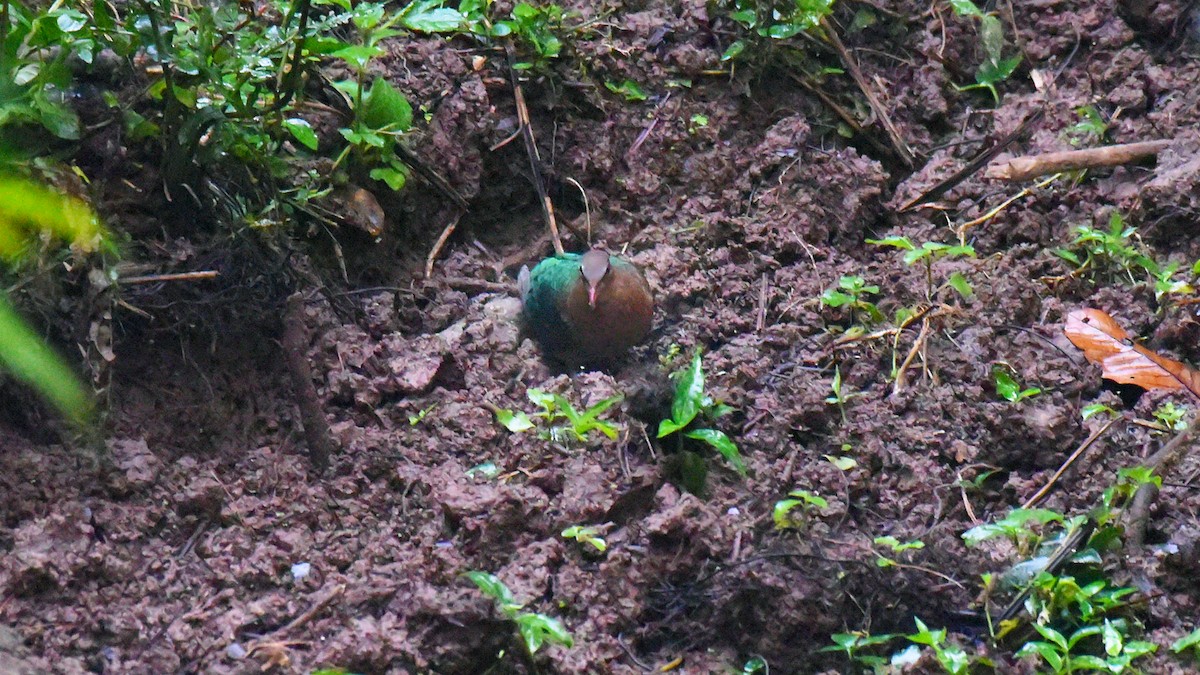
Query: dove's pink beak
x=592, y=296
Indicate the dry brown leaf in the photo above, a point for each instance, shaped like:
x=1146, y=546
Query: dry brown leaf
x=1106, y=344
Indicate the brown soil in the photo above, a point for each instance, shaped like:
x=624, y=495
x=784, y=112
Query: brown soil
x=176, y=553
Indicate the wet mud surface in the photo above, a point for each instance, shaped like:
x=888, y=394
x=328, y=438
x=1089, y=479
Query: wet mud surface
x=178, y=554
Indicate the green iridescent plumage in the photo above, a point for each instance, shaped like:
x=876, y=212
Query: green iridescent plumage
x=578, y=327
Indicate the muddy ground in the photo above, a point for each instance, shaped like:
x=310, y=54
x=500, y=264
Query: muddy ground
x=178, y=555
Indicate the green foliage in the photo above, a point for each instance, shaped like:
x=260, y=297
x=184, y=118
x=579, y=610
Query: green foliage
x=1007, y=386
x=853, y=643
x=784, y=512
x=1118, y=252
x=1096, y=409
x=851, y=292
x=535, y=629
x=1191, y=641
x=775, y=19
x=537, y=26
x=29, y=215
x=629, y=89
x=950, y=657
x=995, y=67
x=1056, y=650
x=564, y=422
x=1091, y=126
x=1016, y=526
x=928, y=252
x=691, y=407
x=586, y=535
x=1171, y=416
x=36, y=76
x=896, y=546
x=840, y=395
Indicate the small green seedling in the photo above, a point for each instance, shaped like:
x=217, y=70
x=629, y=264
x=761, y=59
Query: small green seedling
x=784, y=512
x=928, y=252
x=851, y=292
x=994, y=68
x=756, y=665
x=556, y=408
x=1118, y=250
x=586, y=535
x=414, y=420
x=951, y=657
x=896, y=547
x=535, y=629
x=1097, y=409
x=1091, y=126
x=1008, y=388
x=1016, y=526
x=697, y=122
x=776, y=21
x=1171, y=416
x=1055, y=650
x=1189, y=642
x=691, y=405
x=536, y=26
x=840, y=395
x=631, y=90
x=852, y=643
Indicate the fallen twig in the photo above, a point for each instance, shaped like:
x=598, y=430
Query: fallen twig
x=531, y=149
x=181, y=276
x=1033, y=166
x=975, y=164
x=295, y=353
x=1045, y=490
x=441, y=241
x=893, y=133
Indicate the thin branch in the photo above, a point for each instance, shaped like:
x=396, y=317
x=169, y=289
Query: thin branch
x=1031, y=166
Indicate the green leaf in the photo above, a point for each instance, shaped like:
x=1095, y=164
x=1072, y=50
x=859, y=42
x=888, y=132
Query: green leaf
x=965, y=8
x=960, y=284
x=491, y=586
x=835, y=298
x=991, y=36
x=1006, y=386
x=735, y=49
x=515, y=422
x=629, y=89
x=357, y=55
x=1188, y=641
x=722, y=444
x=668, y=427
x=842, y=463
x=537, y=629
x=385, y=108
x=428, y=17
x=897, y=242
x=302, y=131
x=689, y=395
x=28, y=358
x=394, y=178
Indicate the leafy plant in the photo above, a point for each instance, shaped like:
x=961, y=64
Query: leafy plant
x=951, y=657
x=928, y=252
x=1091, y=125
x=995, y=67
x=1118, y=251
x=851, y=292
x=1007, y=386
x=1056, y=650
x=556, y=409
x=775, y=19
x=534, y=628
x=692, y=407
x=853, y=643
x=30, y=212
x=1171, y=416
x=537, y=26
x=629, y=89
x=896, y=546
x=1191, y=641
x=1017, y=526
x=840, y=396
x=586, y=535
x=783, y=513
